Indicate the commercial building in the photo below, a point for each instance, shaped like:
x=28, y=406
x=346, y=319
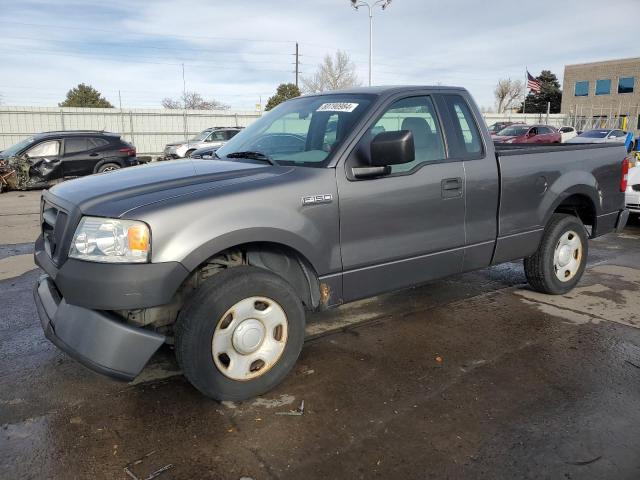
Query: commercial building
x=603, y=94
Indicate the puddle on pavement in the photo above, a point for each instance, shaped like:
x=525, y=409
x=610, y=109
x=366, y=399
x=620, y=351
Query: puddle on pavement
x=611, y=296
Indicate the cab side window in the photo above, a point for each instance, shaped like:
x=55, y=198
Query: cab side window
x=50, y=148
x=416, y=114
x=465, y=142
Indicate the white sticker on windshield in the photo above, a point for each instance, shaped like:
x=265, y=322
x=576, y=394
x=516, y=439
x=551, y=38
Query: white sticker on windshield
x=337, y=107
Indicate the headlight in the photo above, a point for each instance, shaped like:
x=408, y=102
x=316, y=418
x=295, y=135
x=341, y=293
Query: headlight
x=110, y=240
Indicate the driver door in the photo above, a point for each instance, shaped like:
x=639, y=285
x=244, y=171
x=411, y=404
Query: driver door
x=407, y=227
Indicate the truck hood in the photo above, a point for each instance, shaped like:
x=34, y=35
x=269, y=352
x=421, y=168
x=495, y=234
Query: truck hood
x=112, y=194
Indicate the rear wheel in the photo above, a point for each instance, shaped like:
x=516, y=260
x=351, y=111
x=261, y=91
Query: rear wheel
x=189, y=152
x=561, y=258
x=240, y=334
x=108, y=167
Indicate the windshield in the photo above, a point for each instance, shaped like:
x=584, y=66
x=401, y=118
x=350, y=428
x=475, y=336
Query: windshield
x=15, y=149
x=594, y=134
x=304, y=131
x=513, y=131
x=201, y=136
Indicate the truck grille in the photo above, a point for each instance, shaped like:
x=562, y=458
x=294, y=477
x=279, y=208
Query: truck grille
x=54, y=221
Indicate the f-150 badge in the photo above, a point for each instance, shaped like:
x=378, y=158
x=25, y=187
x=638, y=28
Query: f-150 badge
x=315, y=199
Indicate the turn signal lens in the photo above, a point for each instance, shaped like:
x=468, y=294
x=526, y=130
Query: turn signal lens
x=138, y=237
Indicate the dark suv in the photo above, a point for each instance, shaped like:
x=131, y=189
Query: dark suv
x=55, y=155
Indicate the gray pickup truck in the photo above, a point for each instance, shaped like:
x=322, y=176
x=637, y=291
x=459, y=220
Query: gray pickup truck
x=324, y=200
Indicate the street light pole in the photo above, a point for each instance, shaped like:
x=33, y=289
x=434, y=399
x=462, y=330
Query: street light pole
x=361, y=3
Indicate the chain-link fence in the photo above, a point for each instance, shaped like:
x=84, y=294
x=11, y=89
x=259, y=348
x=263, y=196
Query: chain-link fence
x=148, y=129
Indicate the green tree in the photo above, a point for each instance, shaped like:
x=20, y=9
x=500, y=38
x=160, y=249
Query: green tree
x=284, y=92
x=549, y=92
x=85, y=96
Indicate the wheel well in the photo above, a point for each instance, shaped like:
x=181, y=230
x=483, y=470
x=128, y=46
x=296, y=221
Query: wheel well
x=281, y=260
x=580, y=206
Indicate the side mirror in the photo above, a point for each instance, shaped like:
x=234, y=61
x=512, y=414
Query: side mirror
x=387, y=148
x=392, y=148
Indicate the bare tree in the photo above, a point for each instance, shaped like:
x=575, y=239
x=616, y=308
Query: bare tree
x=507, y=91
x=193, y=101
x=333, y=73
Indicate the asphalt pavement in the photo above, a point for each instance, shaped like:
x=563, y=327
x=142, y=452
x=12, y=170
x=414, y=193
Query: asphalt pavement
x=474, y=376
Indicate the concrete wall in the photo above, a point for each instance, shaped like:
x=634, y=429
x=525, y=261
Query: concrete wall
x=148, y=129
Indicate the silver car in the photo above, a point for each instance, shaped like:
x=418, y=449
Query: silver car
x=211, y=137
x=601, y=135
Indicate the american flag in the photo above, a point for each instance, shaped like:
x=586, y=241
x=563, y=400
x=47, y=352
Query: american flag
x=533, y=83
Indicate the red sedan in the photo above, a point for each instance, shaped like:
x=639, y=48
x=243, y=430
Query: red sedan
x=521, y=133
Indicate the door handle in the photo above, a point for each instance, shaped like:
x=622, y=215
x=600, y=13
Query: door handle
x=451, y=187
x=94, y=154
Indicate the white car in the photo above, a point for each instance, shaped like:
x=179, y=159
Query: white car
x=600, y=135
x=211, y=137
x=632, y=194
x=567, y=133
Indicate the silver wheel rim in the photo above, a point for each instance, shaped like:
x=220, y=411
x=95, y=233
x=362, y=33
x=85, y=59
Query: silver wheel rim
x=249, y=338
x=567, y=256
x=110, y=169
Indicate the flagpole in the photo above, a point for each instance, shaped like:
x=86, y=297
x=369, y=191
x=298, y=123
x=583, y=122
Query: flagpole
x=526, y=90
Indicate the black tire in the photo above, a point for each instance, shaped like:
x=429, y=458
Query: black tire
x=108, y=167
x=539, y=267
x=189, y=152
x=203, y=311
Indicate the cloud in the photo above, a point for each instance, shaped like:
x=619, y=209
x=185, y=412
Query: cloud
x=238, y=52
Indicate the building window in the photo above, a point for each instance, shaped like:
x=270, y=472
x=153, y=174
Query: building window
x=625, y=84
x=603, y=87
x=638, y=126
x=582, y=89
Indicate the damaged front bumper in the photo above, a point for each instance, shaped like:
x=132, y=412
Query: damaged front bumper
x=97, y=339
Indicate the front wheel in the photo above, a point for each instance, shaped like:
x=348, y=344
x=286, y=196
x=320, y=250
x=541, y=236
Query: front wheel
x=561, y=258
x=240, y=333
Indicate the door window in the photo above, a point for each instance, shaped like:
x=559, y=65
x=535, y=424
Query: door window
x=465, y=142
x=50, y=148
x=75, y=145
x=217, y=136
x=416, y=114
x=229, y=134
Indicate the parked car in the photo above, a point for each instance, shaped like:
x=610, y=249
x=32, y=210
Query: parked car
x=567, y=133
x=528, y=134
x=600, y=135
x=494, y=128
x=211, y=137
x=205, y=152
x=222, y=258
x=632, y=194
x=72, y=153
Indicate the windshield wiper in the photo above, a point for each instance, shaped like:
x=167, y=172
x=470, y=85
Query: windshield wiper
x=252, y=155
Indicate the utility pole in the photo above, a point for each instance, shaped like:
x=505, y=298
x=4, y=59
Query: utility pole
x=121, y=117
x=297, y=64
x=184, y=100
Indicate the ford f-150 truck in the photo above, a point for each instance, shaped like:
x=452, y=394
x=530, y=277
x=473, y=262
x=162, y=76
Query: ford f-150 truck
x=324, y=200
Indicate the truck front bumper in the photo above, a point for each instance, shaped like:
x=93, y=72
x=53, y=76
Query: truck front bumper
x=97, y=339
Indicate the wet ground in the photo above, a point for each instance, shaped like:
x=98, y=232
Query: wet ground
x=474, y=376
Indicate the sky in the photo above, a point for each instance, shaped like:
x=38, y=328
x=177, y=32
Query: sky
x=238, y=52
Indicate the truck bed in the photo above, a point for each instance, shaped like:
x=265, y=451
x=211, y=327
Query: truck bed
x=536, y=178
